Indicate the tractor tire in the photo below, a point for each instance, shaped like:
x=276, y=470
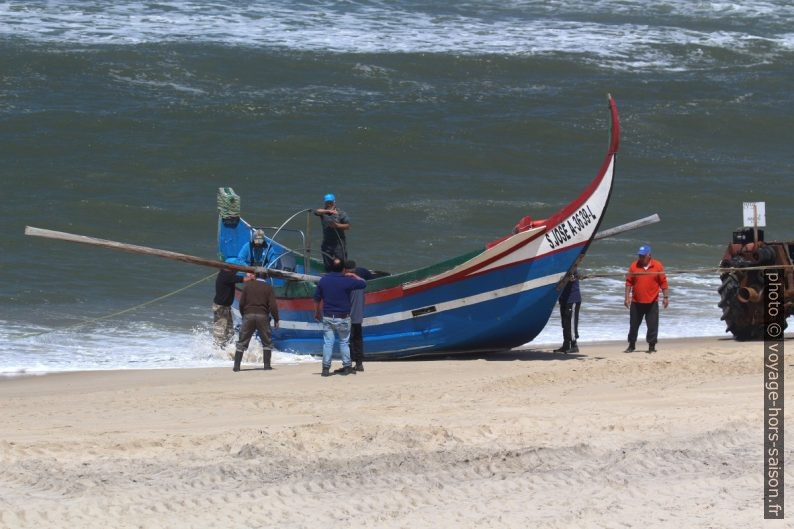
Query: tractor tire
x=735, y=313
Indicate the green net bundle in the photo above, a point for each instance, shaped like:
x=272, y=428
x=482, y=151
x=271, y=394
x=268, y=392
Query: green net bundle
x=228, y=203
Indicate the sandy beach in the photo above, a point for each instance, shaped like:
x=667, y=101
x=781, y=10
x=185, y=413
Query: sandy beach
x=525, y=438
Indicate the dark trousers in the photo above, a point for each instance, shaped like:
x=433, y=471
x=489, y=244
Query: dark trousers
x=569, y=315
x=251, y=323
x=331, y=251
x=649, y=311
x=356, y=343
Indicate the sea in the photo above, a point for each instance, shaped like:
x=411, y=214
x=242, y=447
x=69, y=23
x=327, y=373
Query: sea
x=438, y=125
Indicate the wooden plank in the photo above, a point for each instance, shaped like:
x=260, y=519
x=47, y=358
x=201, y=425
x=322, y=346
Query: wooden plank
x=639, y=223
x=174, y=256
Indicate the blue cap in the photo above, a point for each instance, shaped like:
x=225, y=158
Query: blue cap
x=644, y=250
x=330, y=197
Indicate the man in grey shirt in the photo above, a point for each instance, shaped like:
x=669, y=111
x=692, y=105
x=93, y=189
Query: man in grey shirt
x=335, y=224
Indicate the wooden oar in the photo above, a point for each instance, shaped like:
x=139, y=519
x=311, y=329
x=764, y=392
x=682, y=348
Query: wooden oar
x=639, y=223
x=63, y=236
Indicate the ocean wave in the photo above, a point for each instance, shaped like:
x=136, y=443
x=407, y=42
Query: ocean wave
x=672, y=35
x=33, y=349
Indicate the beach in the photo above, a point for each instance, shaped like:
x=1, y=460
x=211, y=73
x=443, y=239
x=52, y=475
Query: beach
x=525, y=438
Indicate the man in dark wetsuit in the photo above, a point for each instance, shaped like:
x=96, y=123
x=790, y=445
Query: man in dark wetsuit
x=570, y=301
x=335, y=223
x=257, y=305
x=357, y=314
x=222, y=324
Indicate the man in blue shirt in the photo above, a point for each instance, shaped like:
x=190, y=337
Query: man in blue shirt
x=332, y=308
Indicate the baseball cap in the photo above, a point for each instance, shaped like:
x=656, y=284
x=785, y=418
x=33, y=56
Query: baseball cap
x=330, y=197
x=644, y=250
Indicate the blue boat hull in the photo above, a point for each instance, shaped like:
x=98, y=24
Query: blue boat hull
x=495, y=324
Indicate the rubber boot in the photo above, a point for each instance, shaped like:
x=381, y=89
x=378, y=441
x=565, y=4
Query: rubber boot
x=238, y=357
x=266, y=354
x=564, y=348
x=359, y=365
x=574, y=348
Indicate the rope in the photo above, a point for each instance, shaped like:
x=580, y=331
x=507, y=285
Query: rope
x=691, y=271
x=273, y=238
x=177, y=291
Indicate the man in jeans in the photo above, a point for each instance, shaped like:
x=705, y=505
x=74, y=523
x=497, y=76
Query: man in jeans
x=333, y=293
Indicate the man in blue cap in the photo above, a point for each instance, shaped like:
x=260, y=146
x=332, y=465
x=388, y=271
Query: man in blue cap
x=335, y=223
x=645, y=278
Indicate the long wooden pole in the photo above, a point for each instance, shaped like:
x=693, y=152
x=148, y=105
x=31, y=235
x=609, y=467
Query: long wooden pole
x=639, y=223
x=307, y=243
x=145, y=250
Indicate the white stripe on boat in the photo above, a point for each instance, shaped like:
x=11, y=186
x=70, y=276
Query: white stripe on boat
x=439, y=307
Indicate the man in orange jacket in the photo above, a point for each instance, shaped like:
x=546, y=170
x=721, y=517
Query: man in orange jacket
x=643, y=282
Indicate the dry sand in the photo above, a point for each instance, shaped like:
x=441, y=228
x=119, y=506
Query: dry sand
x=519, y=439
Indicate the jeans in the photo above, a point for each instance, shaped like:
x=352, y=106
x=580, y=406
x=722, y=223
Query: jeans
x=341, y=326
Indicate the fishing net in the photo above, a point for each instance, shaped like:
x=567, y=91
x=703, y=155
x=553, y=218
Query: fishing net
x=228, y=203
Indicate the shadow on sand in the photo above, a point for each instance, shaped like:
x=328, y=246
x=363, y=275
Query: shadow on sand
x=508, y=355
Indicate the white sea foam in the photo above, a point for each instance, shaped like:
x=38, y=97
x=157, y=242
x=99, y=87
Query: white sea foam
x=693, y=311
x=630, y=34
x=133, y=345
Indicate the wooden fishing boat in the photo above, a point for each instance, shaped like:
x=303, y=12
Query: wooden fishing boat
x=493, y=298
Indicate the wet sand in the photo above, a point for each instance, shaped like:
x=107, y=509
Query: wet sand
x=525, y=438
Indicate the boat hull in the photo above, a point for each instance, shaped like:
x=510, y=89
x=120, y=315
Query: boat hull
x=493, y=311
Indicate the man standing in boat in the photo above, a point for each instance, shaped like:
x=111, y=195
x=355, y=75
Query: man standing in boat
x=257, y=305
x=645, y=278
x=335, y=223
x=253, y=253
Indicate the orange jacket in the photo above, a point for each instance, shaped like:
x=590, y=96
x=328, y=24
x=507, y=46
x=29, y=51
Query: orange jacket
x=645, y=288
